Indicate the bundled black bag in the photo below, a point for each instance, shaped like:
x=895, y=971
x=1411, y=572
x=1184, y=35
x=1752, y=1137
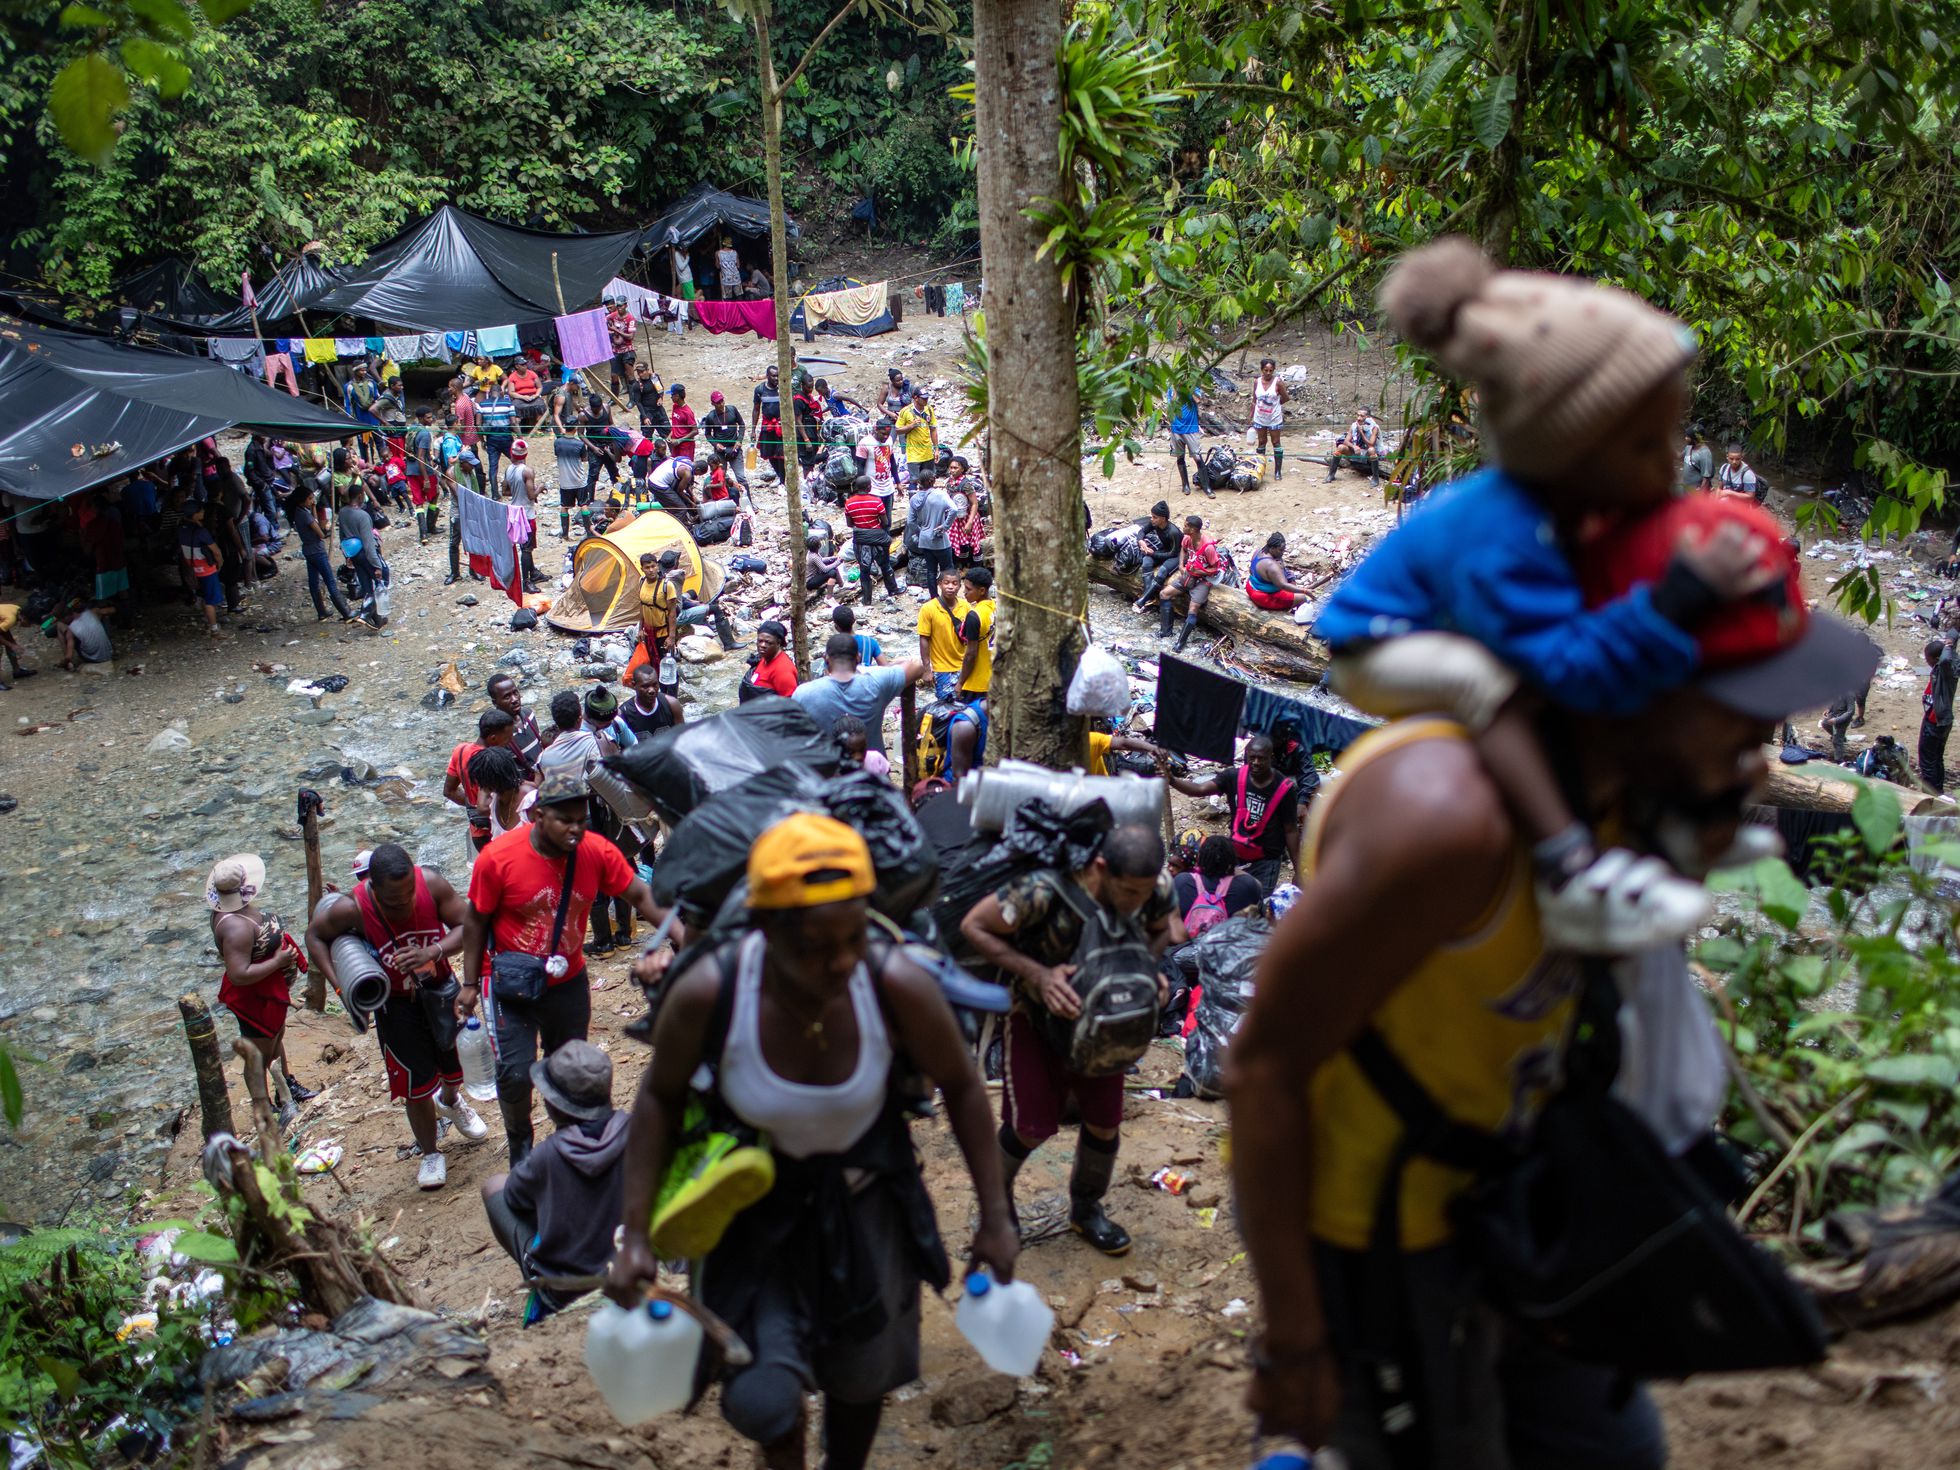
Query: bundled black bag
x=682, y=766
x=1224, y=958
x=1591, y=1236
x=1036, y=836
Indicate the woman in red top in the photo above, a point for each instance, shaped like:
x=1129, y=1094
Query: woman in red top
x=775, y=670
x=1200, y=567
x=526, y=391
x=259, y=959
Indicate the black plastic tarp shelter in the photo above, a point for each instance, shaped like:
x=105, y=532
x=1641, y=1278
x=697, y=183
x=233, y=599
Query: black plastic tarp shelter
x=172, y=288
x=294, y=287
x=878, y=325
x=454, y=272
x=705, y=208
x=77, y=411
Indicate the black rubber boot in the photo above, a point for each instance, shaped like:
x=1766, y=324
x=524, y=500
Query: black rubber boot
x=1184, y=633
x=1183, y=475
x=517, y=1124
x=1279, y=463
x=1095, y=1163
x=1165, y=612
x=1013, y=1154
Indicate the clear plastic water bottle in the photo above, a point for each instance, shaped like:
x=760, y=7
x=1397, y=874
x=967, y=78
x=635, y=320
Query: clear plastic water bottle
x=479, y=1064
x=1007, y=1325
x=643, y=1359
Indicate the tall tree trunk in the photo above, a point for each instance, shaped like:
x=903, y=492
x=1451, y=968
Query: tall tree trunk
x=1033, y=411
x=772, y=157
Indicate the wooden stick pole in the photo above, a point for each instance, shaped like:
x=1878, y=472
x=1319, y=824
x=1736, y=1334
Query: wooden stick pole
x=316, y=888
x=213, y=1101
x=908, y=733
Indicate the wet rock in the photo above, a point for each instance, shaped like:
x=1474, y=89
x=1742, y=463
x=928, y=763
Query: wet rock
x=700, y=649
x=221, y=799
x=103, y=1166
x=438, y=699
x=86, y=768
x=312, y=716
x=81, y=1061
x=7, y=803
x=468, y=599
x=972, y=1400
x=168, y=740
x=233, y=696
x=605, y=672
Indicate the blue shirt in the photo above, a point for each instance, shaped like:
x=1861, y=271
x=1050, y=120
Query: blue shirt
x=867, y=695
x=1480, y=557
x=870, y=650
x=1184, y=414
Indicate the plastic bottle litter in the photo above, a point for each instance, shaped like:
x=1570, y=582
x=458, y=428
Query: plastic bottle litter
x=318, y=1158
x=642, y=1359
x=1284, y=1454
x=479, y=1064
x=1007, y=1325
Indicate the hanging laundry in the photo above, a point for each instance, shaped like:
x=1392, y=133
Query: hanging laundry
x=288, y=344
x=321, y=349
x=496, y=341
x=1317, y=728
x=582, y=339
x=485, y=535
x=354, y=347
x=429, y=348
x=235, y=349
x=456, y=344
x=638, y=298
x=1197, y=709
x=375, y=344
x=403, y=349
x=738, y=316
x=671, y=310
x=851, y=307
x=956, y=299
x=538, y=336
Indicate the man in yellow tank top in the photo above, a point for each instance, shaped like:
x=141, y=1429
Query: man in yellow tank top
x=1418, y=921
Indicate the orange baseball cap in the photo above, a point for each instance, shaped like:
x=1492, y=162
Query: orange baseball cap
x=806, y=860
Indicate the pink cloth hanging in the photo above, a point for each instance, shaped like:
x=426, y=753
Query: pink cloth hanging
x=738, y=316
x=582, y=339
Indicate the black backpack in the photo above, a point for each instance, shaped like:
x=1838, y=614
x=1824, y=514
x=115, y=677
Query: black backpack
x=1116, y=981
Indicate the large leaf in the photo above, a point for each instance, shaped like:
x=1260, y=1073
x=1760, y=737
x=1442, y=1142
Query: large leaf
x=1856, y=1140
x=164, y=18
x=1875, y=813
x=13, y=1104
x=1490, y=114
x=203, y=1245
x=157, y=64
x=1916, y=1069
x=85, y=99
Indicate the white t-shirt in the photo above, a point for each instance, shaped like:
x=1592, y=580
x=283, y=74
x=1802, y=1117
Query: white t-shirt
x=91, y=638
x=879, y=464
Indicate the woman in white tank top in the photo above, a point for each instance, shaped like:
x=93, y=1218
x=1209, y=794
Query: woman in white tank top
x=794, y=1030
x=1269, y=415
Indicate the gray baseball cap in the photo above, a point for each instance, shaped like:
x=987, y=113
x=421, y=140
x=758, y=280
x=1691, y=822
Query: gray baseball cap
x=576, y=1079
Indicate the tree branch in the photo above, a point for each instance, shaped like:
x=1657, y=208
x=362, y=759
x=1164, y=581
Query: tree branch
x=810, y=51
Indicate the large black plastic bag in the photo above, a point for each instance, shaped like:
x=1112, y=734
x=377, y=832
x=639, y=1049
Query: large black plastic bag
x=707, y=853
x=1225, y=956
x=1036, y=836
x=682, y=766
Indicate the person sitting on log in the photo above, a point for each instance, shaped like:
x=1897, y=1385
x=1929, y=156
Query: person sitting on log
x=1269, y=585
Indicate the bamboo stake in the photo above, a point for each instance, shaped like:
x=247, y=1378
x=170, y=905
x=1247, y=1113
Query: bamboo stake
x=213, y=1101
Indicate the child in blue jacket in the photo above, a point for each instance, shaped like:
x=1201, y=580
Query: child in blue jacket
x=1471, y=605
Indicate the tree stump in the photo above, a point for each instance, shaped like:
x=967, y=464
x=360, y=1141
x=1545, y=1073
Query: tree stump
x=213, y=1099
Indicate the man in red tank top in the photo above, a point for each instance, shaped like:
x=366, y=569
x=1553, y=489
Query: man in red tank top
x=414, y=922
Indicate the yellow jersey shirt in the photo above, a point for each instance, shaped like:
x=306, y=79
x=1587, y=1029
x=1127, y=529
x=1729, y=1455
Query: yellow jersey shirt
x=920, y=431
x=1099, y=753
x=1481, y=1024
x=941, y=629
x=983, y=665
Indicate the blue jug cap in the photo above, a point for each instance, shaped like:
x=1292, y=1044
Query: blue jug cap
x=660, y=1311
x=979, y=1284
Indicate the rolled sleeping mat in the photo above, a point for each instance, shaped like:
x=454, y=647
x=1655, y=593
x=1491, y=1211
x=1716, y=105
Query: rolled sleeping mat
x=359, y=979
x=992, y=794
x=627, y=801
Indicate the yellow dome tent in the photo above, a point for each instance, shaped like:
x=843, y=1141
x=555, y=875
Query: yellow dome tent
x=605, y=590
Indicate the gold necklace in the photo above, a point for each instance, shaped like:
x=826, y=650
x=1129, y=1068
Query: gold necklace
x=812, y=1028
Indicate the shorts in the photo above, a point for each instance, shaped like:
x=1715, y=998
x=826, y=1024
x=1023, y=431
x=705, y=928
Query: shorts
x=1277, y=422
x=1424, y=674
x=111, y=584
x=416, y=1067
x=947, y=685
x=253, y=1031
x=1486, y=1398
x=211, y=590
x=1191, y=444
x=1038, y=1087
x=422, y=489
x=687, y=290
x=1278, y=600
x=572, y=496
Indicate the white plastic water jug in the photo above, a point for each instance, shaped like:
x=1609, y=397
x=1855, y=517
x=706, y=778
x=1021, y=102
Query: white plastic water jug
x=1007, y=1325
x=643, y=1359
x=479, y=1062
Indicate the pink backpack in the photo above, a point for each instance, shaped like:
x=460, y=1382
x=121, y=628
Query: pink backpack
x=1208, y=908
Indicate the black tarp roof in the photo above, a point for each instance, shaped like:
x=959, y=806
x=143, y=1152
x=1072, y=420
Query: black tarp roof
x=454, y=272
x=77, y=411
x=704, y=208
x=171, y=287
x=292, y=288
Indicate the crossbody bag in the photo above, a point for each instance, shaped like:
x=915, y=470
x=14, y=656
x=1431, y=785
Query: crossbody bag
x=522, y=977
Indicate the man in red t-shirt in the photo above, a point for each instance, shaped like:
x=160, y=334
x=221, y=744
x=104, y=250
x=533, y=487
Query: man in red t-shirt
x=869, y=515
x=493, y=727
x=515, y=893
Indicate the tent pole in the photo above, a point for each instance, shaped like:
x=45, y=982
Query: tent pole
x=557, y=285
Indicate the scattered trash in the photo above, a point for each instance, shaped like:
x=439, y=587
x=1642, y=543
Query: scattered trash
x=450, y=678
x=318, y=1158
x=1236, y=1307
x=1207, y=1217
x=329, y=683
x=523, y=620
x=137, y=1324
x=1170, y=1181
x=438, y=698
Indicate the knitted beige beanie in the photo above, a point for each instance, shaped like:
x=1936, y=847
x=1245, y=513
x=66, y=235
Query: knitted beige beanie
x=1554, y=358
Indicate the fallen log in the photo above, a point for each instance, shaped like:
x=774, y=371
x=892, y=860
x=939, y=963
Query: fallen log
x=1270, y=644
x=1791, y=786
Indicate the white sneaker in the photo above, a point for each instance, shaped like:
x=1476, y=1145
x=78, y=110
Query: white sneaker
x=1619, y=905
x=462, y=1117
x=434, y=1172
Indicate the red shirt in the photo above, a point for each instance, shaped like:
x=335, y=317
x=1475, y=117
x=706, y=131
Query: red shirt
x=863, y=511
x=778, y=673
x=518, y=888
x=459, y=767
x=523, y=384
x=466, y=419
x=681, y=437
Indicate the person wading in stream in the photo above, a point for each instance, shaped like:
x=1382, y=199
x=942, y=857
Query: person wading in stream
x=530, y=895
x=414, y=922
x=805, y=1023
